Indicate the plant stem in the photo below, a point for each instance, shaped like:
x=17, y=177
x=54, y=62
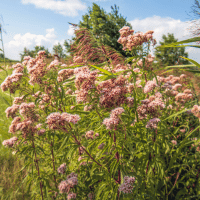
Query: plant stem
x=117, y=157
x=89, y=154
x=37, y=166
x=53, y=163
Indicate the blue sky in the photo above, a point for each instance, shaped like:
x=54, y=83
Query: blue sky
x=45, y=22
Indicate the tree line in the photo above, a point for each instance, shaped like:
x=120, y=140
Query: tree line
x=105, y=29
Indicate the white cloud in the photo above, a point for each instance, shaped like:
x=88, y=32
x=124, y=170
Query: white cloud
x=71, y=30
x=66, y=7
x=29, y=40
x=166, y=25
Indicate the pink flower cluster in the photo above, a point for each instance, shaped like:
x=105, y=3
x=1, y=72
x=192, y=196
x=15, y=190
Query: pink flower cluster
x=26, y=59
x=101, y=146
x=71, y=195
x=69, y=91
x=85, y=80
x=78, y=59
x=81, y=150
x=82, y=163
x=18, y=68
x=151, y=106
x=152, y=123
x=196, y=111
x=10, y=142
x=53, y=65
x=91, y=196
x=174, y=142
x=185, y=96
x=11, y=111
x=148, y=62
x=30, y=117
x=130, y=101
x=89, y=135
x=27, y=127
x=18, y=100
x=118, y=68
x=57, y=120
x=128, y=40
x=112, y=92
x=130, y=86
x=8, y=83
x=150, y=85
x=27, y=110
x=127, y=186
x=40, y=132
x=176, y=86
x=69, y=183
x=88, y=108
x=64, y=74
x=114, y=118
x=35, y=67
x=62, y=168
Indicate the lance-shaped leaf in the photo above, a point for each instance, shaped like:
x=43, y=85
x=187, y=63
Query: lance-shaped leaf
x=102, y=70
x=192, y=61
x=179, y=66
x=195, y=39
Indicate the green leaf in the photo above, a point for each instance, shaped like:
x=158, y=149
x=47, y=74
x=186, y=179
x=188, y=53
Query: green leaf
x=193, y=71
x=105, y=77
x=179, y=66
x=192, y=61
x=130, y=59
x=195, y=39
x=176, y=114
x=5, y=101
x=102, y=70
x=101, y=188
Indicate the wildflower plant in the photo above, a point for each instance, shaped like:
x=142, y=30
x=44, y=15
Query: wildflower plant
x=105, y=131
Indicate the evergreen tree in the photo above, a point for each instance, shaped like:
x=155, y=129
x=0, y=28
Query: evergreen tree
x=57, y=49
x=105, y=27
x=170, y=56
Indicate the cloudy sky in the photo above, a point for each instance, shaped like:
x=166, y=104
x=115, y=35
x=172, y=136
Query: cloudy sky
x=45, y=22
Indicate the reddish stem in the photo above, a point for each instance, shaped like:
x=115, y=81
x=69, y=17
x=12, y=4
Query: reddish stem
x=89, y=154
x=53, y=163
x=37, y=167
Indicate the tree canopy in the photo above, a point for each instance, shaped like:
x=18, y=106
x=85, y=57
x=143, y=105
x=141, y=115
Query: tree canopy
x=57, y=49
x=33, y=53
x=170, y=56
x=104, y=26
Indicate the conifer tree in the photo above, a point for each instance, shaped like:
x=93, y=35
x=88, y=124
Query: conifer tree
x=104, y=26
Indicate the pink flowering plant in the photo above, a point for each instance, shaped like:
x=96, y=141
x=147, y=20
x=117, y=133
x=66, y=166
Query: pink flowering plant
x=105, y=132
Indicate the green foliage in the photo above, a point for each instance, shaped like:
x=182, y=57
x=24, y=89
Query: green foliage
x=161, y=169
x=170, y=56
x=57, y=49
x=192, y=68
x=33, y=53
x=105, y=26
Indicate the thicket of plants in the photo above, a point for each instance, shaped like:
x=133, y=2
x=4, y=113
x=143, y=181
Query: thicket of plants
x=110, y=130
